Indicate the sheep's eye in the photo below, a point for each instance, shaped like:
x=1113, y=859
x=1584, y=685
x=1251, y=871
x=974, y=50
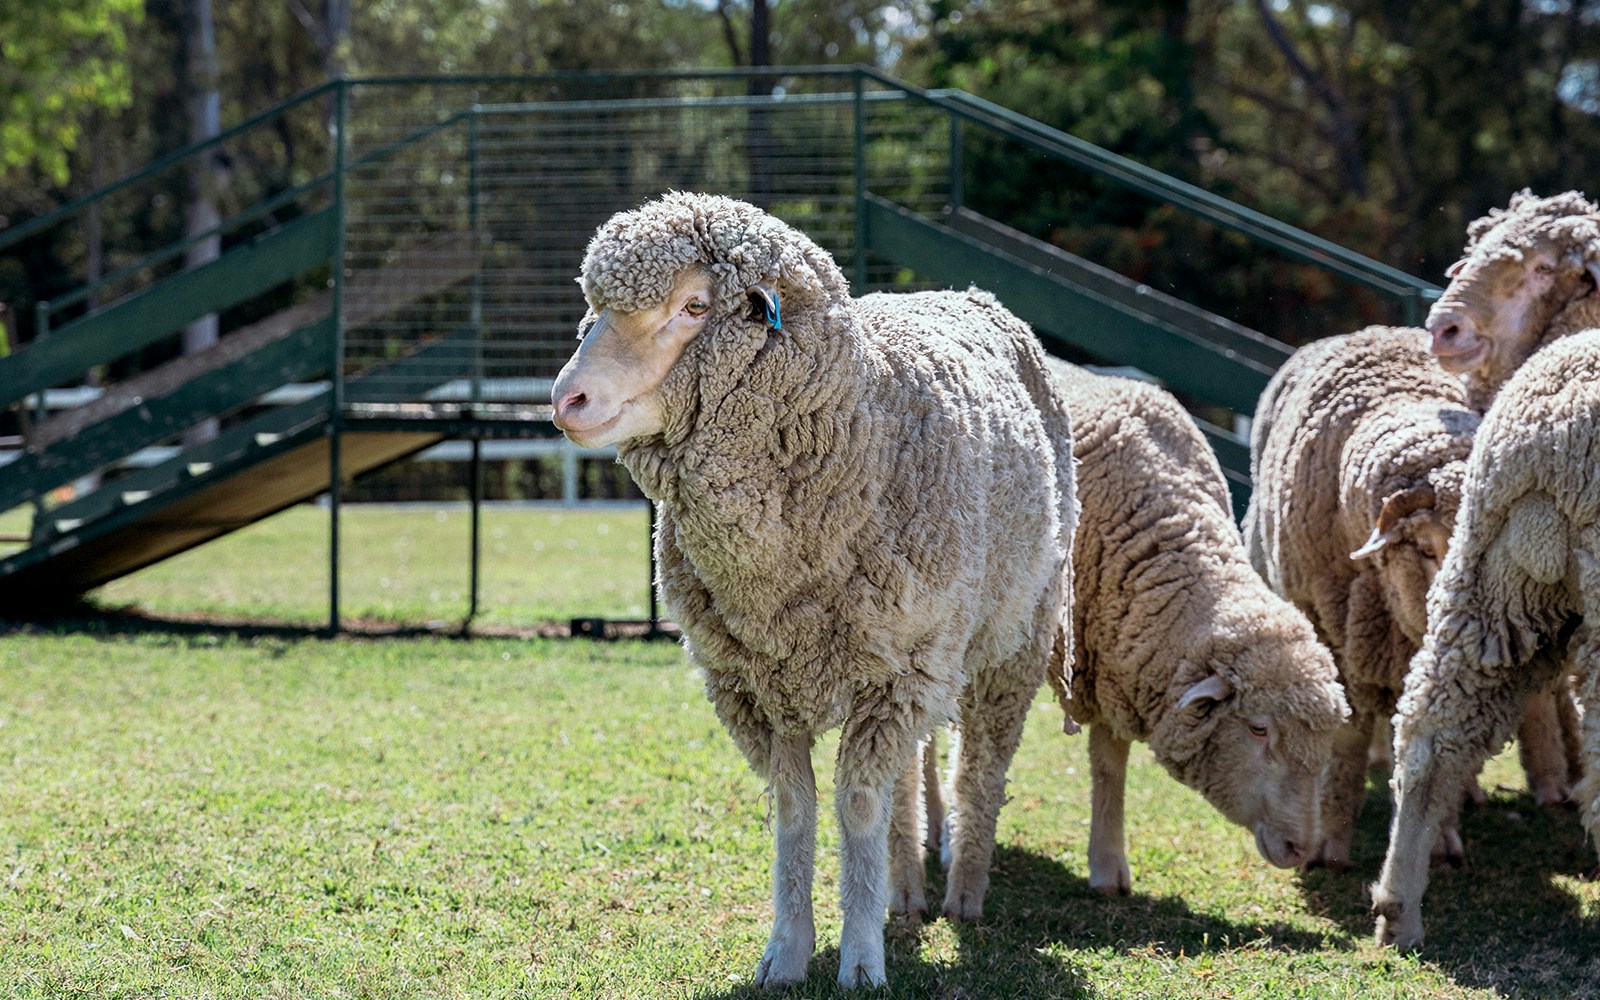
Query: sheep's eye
x=1544, y=267
x=1258, y=731
x=696, y=308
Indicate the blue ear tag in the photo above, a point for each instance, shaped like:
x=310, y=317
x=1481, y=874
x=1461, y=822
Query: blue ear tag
x=774, y=320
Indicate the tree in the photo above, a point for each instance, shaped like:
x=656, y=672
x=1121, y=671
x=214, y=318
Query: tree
x=59, y=61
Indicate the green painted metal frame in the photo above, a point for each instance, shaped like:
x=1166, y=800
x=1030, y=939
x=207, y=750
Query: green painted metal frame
x=295, y=358
x=162, y=309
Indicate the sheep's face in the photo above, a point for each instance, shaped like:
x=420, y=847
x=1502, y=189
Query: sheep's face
x=1506, y=291
x=610, y=390
x=1261, y=765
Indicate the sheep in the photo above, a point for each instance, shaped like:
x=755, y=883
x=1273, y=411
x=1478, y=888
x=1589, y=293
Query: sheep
x=1523, y=265
x=1176, y=640
x=865, y=509
x=1518, y=597
x=1357, y=453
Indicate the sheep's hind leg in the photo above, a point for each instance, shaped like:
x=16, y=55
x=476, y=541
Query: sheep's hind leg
x=1108, y=847
x=907, y=894
x=794, y=795
x=992, y=714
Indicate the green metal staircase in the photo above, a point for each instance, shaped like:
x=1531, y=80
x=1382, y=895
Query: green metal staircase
x=429, y=267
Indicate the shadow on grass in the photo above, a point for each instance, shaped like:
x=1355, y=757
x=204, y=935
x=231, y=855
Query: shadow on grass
x=1036, y=911
x=1503, y=922
x=88, y=618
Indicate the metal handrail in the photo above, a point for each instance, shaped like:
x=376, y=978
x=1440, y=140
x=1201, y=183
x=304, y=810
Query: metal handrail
x=1145, y=180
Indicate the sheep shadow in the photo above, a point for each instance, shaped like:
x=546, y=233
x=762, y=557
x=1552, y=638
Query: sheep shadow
x=1503, y=922
x=1037, y=914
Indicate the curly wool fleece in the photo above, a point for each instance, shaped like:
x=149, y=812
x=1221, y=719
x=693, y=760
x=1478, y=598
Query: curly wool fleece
x=858, y=512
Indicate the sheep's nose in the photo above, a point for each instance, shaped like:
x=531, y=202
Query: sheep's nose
x=567, y=405
x=1450, y=330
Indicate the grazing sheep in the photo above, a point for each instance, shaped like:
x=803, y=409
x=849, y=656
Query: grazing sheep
x=1357, y=477
x=1518, y=596
x=1177, y=640
x=865, y=508
x=1523, y=265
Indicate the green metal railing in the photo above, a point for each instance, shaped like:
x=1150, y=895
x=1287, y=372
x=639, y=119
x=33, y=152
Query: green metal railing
x=455, y=211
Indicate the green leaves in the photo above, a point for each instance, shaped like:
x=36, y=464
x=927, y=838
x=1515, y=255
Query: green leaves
x=58, y=58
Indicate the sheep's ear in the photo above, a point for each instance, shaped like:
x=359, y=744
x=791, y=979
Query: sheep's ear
x=1397, y=507
x=764, y=307
x=1214, y=687
x=1456, y=268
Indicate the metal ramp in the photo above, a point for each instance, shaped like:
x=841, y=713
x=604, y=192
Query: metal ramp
x=416, y=284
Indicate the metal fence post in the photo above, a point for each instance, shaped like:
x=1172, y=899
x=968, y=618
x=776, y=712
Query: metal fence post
x=957, y=179
x=860, y=104
x=336, y=376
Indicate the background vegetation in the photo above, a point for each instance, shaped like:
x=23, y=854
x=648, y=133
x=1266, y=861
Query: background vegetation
x=1381, y=124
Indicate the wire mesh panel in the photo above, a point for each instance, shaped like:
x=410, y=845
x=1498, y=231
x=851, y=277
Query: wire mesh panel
x=474, y=217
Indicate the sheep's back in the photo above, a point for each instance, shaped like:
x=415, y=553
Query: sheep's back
x=1156, y=546
x=1337, y=384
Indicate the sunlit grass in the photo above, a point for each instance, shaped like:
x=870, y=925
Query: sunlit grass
x=191, y=814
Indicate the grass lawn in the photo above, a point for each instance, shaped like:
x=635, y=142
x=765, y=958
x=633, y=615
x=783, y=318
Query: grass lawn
x=190, y=812
x=411, y=565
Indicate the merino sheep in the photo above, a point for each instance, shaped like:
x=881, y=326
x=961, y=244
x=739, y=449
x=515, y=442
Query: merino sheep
x=864, y=514
x=1518, y=596
x=1177, y=641
x=1522, y=266
x=1357, y=477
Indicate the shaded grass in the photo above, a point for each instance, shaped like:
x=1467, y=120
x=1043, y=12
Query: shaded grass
x=192, y=815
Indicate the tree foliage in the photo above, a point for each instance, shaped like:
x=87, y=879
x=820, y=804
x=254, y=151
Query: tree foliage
x=60, y=60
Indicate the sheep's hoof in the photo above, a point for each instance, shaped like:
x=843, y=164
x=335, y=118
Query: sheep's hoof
x=856, y=974
x=1394, y=930
x=1554, y=795
x=782, y=966
x=1118, y=882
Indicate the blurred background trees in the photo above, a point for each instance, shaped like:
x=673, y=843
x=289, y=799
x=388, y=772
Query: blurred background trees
x=1382, y=124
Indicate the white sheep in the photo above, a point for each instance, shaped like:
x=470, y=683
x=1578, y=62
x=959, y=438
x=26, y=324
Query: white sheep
x=1358, y=450
x=865, y=508
x=1178, y=642
x=1522, y=266
x=1518, y=596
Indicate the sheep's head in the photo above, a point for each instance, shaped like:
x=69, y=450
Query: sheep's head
x=1253, y=729
x=660, y=281
x=1522, y=266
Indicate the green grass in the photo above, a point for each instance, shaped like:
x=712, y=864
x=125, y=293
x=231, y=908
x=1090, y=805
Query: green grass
x=189, y=814
x=410, y=566
x=194, y=812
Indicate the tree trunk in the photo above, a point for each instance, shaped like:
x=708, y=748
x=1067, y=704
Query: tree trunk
x=204, y=104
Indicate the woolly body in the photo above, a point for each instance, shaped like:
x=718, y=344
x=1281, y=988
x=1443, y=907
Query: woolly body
x=864, y=520
x=1364, y=447
x=1518, y=593
x=1177, y=641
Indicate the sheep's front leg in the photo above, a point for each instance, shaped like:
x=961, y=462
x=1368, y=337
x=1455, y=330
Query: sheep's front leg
x=1434, y=754
x=793, y=788
x=874, y=753
x=1108, y=772
x=1343, y=790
